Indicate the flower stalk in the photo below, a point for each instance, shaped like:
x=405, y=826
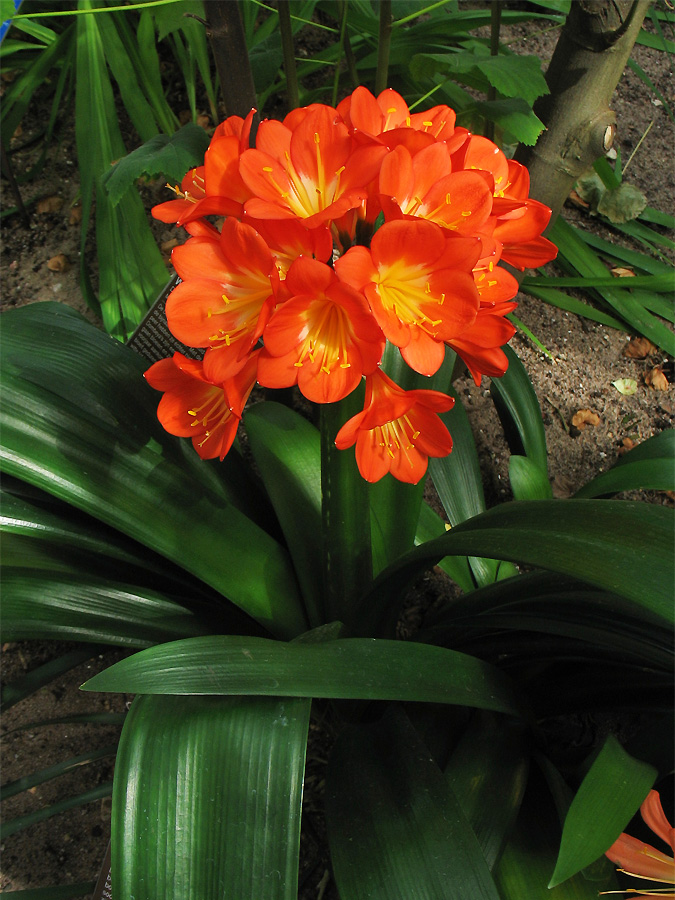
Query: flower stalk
x=345, y=510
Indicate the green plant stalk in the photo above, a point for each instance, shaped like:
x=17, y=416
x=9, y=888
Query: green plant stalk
x=286, y=32
x=383, y=46
x=345, y=510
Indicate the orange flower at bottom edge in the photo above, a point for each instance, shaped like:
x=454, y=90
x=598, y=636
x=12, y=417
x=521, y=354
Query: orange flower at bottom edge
x=397, y=430
x=197, y=408
x=642, y=860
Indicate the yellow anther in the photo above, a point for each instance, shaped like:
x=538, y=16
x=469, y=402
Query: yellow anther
x=316, y=138
x=467, y=213
x=268, y=169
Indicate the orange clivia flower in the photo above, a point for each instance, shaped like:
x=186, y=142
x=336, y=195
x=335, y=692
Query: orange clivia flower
x=227, y=292
x=397, y=431
x=322, y=338
x=642, y=860
x=313, y=171
x=520, y=230
x=389, y=120
x=424, y=185
x=194, y=407
x=419, y=285
x=216, y=187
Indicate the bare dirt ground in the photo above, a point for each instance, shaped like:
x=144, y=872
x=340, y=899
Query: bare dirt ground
x=586, y=359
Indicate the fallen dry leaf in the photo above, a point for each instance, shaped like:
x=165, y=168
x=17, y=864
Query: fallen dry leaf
x=203, y=120
x=50, y=204
x=577, y=200
x=585, y=417
x=639, y=348
x=58, y=263
x=8, y=77
x=184, y=116
x=622, y=272
x=75, y=215
x=656, y=379
x=626, y=445
x=18, y=131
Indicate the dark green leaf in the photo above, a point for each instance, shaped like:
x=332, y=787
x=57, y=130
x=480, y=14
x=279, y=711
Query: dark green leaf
x=207, y=798
x=525, y=868
x=168, y=155
x=88, y=434
x=40, y=606
x=54, y=892
x=11, y=826
x=528, y=481
x=555, y=535
x=607, y=799
x=488, y=774
x=13, y=788
x=518, y=407
x=350, y=668
x=395, y=827
x=23, y=687
x=287, y=451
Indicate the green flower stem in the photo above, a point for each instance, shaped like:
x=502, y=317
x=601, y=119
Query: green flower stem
x=345, y=507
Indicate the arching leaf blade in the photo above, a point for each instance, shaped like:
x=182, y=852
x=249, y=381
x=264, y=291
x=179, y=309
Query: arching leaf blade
x=195, y=775
x=395, y=828
x=350, y=668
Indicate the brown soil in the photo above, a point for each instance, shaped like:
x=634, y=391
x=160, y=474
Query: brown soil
x=587, y=358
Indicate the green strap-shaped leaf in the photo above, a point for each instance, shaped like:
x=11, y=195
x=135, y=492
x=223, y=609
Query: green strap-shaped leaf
x=648, y=466
x=395, y=828
x=429, y=526
x=528, y=480
x=287, y=451
x=488, y=774
x=28, y=781
x=519, y=411
x=577, y=254
x=79, y=422
x=11, y=826
x=459, y=483
x=457, y=477
x=207, y=798
x=524, y=870
x=351, y=668
x=607, y=799
x=75, y=607
x=54, y=892
x=587, y=539
x=131, y=269
x=35, y=679
x=51, y=535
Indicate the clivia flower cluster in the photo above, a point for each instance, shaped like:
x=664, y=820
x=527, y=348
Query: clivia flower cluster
x=344, y=229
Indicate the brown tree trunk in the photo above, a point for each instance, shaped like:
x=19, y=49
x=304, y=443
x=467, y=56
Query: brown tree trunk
x=588, y=62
